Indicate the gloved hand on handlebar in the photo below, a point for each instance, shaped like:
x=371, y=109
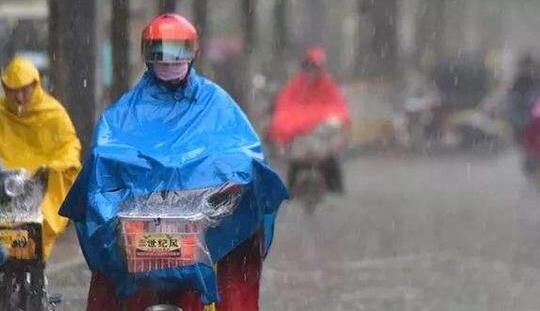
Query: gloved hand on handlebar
x=222, y=203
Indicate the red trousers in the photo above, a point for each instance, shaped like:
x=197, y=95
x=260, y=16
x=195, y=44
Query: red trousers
x=238, y=276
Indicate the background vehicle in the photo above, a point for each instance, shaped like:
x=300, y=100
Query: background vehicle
x=530, y=146
x=307, y=155
x=415, y=113
x=463, y=121
x=454, y=111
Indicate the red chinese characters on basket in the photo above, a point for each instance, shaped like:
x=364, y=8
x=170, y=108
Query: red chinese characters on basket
x=153, y=244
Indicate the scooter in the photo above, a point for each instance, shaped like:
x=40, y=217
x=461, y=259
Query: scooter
x=474, y=128
x=467, y=118
x=530, y=144
x=307, y=154
x=415, y=117
x=23, y=283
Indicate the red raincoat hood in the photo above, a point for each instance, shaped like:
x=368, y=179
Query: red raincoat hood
x=304, y=103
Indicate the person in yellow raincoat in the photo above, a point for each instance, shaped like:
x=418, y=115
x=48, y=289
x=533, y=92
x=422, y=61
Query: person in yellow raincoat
x=36, y=131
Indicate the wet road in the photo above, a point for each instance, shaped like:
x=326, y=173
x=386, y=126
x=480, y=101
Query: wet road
x=454, y=233
x=413, y=233
x=68, y=273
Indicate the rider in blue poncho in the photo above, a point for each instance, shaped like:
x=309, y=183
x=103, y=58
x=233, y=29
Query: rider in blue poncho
x=175, y=131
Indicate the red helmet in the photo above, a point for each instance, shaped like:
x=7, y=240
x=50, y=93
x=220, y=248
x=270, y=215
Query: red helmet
x=316, y=56
x=169, y=38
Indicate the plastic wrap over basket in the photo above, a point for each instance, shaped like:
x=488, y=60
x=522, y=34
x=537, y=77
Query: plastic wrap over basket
x=167, y=229
x=21, y=219
x=319, y=142
x=20, y=196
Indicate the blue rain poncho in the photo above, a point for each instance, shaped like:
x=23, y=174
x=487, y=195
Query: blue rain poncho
x=154, y=139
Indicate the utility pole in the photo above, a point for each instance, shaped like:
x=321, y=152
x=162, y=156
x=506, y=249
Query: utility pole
x=249, y=24
x=314, y=23
x=280, y=39
x=120, y=47
x=200, y=12
x=430, y=32
x=249, y=29
x=56, y=50
x=73, y=54
x=383, y=57
x=281, y=26
x=167, y=6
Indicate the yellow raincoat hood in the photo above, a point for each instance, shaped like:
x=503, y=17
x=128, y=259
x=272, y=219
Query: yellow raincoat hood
x=42, y=136
x=19, y=72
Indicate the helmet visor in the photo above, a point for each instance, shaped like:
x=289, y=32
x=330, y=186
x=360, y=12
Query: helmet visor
x=168, y=51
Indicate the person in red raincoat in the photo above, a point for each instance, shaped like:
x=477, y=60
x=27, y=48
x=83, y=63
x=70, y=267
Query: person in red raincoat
x=310, y=98
x=239, y=272
x=531, y=142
